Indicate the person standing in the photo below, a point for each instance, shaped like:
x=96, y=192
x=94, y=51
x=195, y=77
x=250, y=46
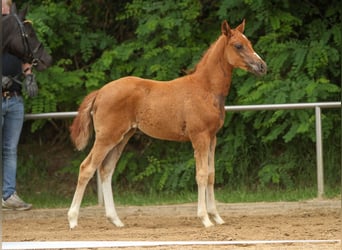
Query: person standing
x=13, y=70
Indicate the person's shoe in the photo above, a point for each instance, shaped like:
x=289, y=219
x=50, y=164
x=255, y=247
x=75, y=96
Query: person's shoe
x=15, y=203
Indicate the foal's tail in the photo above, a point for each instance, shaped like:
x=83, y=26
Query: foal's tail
x=81, y=128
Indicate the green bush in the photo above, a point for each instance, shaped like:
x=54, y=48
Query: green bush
x=93, y=43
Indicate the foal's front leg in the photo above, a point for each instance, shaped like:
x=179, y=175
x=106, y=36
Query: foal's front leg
x=201, y=156
x=211, y=202
x=201, y=208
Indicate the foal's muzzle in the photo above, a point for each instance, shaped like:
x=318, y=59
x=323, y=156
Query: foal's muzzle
x=259, y=68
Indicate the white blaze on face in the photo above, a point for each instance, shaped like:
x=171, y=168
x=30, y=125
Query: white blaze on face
x=254, y=52
x=257, y=55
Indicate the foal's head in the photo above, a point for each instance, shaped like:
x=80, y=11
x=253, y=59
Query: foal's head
x=239, y=51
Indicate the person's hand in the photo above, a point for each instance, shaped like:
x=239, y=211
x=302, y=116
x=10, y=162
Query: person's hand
x=30, y=85
x=6, y=83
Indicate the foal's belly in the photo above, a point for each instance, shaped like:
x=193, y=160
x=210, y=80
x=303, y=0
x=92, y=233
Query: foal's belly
x=163, y=126
x=177, y=124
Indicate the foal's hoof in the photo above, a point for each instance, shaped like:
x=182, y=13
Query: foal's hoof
x=72, y=224
x=217, y=218
x=72, y=218
x=116, y=221
x=206, y=222
x=119, y=224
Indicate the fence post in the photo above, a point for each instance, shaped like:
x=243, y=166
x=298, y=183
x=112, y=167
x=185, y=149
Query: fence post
x=319, y=153
x=319, y=144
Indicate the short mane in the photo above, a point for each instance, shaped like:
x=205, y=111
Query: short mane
x=217, y=47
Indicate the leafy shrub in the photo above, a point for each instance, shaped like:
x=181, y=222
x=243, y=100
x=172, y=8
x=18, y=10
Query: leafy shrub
x=94, y=43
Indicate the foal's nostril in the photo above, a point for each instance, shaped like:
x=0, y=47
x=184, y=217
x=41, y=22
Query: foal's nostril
x=262, y=68
x=258, y=67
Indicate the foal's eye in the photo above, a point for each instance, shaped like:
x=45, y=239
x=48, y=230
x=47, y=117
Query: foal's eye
x=238, y=46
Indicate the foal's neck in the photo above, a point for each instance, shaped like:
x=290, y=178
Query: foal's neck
x=213, y=71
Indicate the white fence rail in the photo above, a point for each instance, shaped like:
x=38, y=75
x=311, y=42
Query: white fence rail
x=238, y=108
x=319, y=144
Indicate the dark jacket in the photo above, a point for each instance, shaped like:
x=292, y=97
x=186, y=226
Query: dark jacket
x=12, y=67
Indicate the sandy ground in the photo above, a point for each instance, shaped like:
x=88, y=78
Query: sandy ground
x=308, y=220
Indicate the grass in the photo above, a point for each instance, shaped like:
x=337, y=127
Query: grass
x=50, y=200
x=47, y=177
x=272, y=195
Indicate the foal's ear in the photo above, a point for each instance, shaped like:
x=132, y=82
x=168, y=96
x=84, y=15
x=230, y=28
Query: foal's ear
x=225, y=29
x=241, y=27
x=23, y=13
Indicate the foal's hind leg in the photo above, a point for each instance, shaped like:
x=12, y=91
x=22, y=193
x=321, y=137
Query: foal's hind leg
x=87, y=170
x=106, y=173
x=211, y=203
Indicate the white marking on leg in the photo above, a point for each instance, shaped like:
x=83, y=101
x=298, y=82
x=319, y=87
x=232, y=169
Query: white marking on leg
x=75, y=207
x=201, y=209
x=78, y=196
x=211, y=205
x=210, y=195
x=72, y=217
x=109, y=202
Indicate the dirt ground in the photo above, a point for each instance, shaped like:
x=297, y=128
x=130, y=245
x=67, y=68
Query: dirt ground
x=307, y=220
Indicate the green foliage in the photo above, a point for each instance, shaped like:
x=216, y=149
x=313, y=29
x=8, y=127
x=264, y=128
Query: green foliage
x=164, y=33
x=95, y=42
x=275, y=174
x=154, y=171
x=298, y=42
x=61, y=31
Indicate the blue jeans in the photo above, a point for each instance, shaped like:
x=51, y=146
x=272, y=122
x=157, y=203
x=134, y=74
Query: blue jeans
x=12, y=123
